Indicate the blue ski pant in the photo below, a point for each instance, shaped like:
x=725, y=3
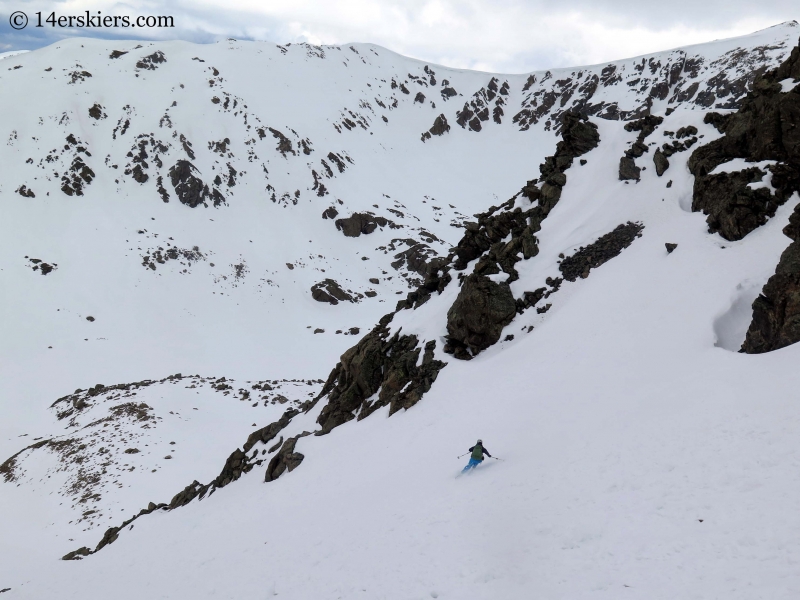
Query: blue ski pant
x=472, y=464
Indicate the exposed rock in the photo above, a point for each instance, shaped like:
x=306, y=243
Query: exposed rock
x=687, y=131
x=670, y=247
x=284, y=143
x=530, y=299
x=628, y=169
x=661, y=162
x=734, y=208
x=477, y=317
x=331, y=292
x=42, y=267
x=604, y=249
x=448, y=92
x=190, y=189
x=415, y=257
x=439, y=127
x=764, y=128
x=483, y=239
x=152, y=61
x=330, y=213
x=776, y=311
x=645, y=126
x=636, y=150
x=77, y=177
x=96, y=112
x=378, y=363
x=720, y=122
x=25, y=192
x=285, y=460
x=358, y=223
x=77, y=554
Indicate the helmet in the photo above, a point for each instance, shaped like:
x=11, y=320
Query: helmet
x=480, y=441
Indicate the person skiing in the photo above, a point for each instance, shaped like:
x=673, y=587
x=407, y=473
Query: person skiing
x=476, y=457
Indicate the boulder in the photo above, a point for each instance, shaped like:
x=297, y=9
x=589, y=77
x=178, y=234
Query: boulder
x=661, y=162
x=358, y=223
x=476, y=319
x=628, y=169
x=331, y=292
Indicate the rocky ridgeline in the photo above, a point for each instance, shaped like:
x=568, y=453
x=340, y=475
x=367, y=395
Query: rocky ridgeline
x=484, y=307
x=677, y=78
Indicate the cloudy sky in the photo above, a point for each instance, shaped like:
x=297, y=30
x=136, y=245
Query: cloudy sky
x=511, y=36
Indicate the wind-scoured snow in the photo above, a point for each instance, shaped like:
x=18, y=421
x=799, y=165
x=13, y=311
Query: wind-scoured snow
x=642, y=456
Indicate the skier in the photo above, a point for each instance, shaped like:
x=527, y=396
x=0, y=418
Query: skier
x=477, y=456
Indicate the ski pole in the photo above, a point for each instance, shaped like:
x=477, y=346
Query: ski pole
x=494, y=457
x=465, y=453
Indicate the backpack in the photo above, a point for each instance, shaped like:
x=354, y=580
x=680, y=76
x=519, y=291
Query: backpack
x=477, y=452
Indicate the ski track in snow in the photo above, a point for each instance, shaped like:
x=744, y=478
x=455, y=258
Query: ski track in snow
x=643, y=456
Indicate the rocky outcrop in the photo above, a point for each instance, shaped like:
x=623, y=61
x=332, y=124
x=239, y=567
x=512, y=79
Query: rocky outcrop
x=734, y=208
x=96, y=112
x=601, y=251
x=285, y=460
x=378, y=371
x=358, y=223
x=152, y=61
x=483, y=306
x=776, y=311
x=627, y=164
x=439, y=127
x=77, y=554
x=680, y=77
x=477, y=317
x=190, y=189
x=764, y=128
x=485, y=238
x=331, y=292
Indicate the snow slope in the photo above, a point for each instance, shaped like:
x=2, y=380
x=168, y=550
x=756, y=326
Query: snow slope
x=642, y=455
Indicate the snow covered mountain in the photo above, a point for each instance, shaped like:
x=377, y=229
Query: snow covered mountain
x=321, y=234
